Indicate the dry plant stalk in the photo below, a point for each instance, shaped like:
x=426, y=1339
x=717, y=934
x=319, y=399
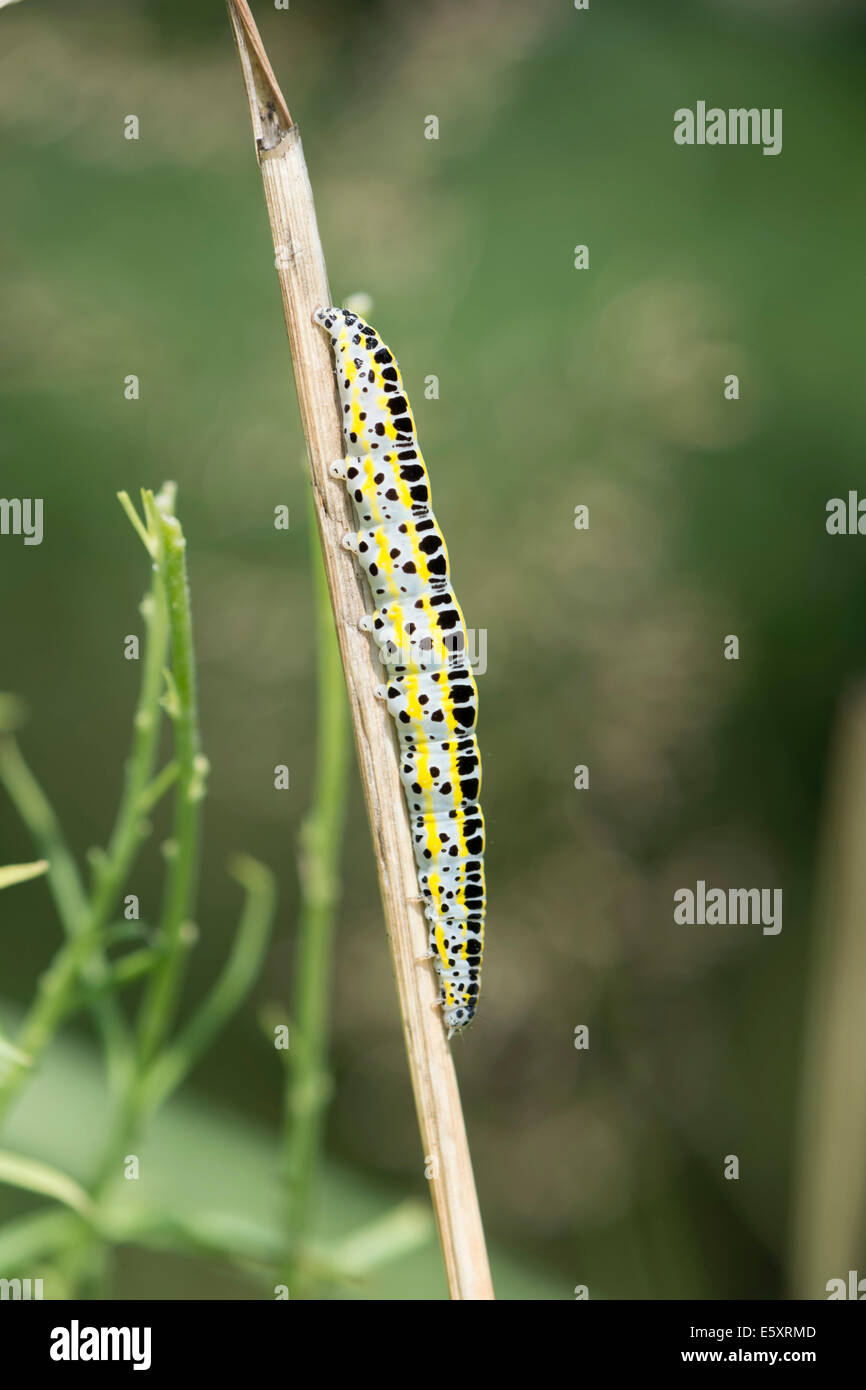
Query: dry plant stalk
x=303, y=280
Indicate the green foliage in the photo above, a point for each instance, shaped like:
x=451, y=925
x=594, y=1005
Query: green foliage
x=147, y=1057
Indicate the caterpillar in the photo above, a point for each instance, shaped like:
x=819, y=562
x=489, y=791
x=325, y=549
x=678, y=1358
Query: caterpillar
x=419, y=628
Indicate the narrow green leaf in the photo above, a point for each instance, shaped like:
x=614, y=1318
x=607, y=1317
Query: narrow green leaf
x=20, y=873
x=33, y=1176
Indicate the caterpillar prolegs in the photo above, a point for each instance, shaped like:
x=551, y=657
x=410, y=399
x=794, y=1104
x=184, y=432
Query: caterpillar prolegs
x=418, y=626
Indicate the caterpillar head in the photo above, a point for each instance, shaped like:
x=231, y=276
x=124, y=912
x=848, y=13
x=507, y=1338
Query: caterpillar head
x=328, y=318
x=343, y=325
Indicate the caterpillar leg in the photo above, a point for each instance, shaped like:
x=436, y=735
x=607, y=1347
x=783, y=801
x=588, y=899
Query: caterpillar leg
x=338, y=468
x=350, y=542
x=428, y=955
x=366, y=623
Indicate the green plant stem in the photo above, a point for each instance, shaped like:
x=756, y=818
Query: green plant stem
x=160, y=1000
x=151, y=1086
x=80, y=972
x=164, y=541
x=308, y=1080
x=67, y=890
x=234, y=983
x=130, y=827
x=37, y=813
x=80, y=915
x=57, y=990
x=163, y=538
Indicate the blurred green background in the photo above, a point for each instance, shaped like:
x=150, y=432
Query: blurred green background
x=557, y=387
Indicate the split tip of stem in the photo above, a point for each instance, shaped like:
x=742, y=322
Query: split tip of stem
x=272, y=119
x=160, y=523
x=144, y=533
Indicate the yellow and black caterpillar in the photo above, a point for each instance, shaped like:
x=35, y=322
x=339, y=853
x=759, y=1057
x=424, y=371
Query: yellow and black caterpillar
x=419, y=628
